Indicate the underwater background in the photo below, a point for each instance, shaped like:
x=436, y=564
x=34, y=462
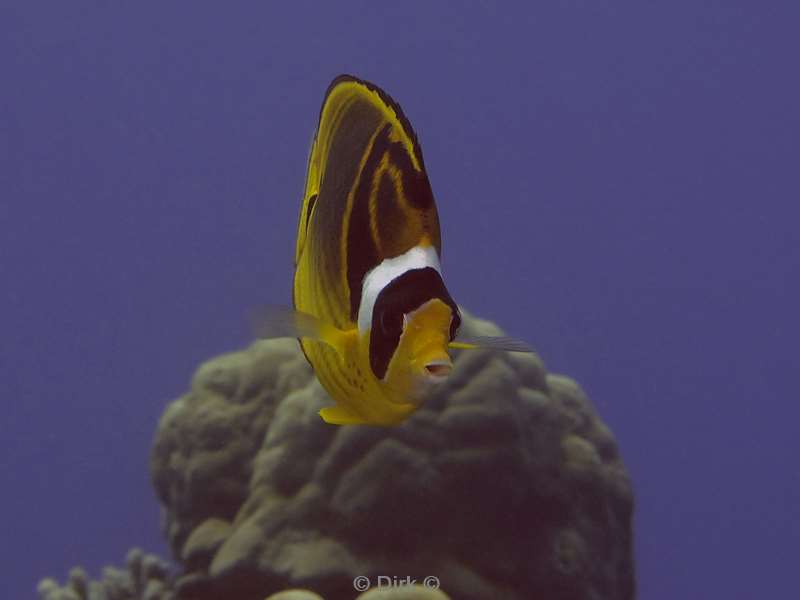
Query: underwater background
x=617, y=185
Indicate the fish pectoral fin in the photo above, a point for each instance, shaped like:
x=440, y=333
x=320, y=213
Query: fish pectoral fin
x=282, y=321
x=490, y=342
x=336, y=415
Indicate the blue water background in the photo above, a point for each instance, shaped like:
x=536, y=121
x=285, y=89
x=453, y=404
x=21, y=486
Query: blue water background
x=618, y=185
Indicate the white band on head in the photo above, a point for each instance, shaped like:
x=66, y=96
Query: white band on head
x=390, y=269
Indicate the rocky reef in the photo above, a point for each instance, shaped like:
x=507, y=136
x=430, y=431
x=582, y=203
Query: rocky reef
x=506, y=484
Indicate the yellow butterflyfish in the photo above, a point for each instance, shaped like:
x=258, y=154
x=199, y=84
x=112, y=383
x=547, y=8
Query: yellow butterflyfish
x=371, y=310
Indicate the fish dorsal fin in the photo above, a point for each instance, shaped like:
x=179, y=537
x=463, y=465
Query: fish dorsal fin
x=346, y=88
x=342, y=93
x=367, y=196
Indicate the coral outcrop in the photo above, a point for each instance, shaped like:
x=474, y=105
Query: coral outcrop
x=506, y=484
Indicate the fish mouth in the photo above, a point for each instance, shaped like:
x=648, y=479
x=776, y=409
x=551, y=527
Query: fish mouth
x=438, y=370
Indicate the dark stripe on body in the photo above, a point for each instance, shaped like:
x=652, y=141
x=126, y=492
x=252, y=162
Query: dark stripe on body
x=392, y=215
x=392, y=218
x=362, y=254
x=416, y=187
x=340, y=170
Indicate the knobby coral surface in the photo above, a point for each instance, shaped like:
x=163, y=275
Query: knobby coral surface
x=506, y=484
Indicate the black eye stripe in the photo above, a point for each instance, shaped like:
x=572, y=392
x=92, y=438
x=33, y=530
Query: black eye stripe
x=403, y=295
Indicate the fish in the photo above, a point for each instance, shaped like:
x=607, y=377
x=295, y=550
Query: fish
x=370, y=308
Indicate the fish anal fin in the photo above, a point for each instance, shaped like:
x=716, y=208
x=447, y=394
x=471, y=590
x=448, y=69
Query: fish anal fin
x=337, y=415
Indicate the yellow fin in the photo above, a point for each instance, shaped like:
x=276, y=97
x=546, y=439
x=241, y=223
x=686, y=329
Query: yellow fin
x=281, y=321
x=490, y=342
x=336, y=415
x=462, y=346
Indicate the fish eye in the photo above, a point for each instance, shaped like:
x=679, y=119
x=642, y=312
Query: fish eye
x=390, y=323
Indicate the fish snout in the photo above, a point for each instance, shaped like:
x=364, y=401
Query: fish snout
x=438, y=370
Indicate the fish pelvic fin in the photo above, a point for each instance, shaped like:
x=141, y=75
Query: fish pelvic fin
x=486, y=342
x=282, y=321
